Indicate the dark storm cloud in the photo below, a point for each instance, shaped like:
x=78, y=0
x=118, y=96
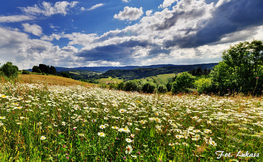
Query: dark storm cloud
x=169, y=22
x=117, y=52
x=228, y=18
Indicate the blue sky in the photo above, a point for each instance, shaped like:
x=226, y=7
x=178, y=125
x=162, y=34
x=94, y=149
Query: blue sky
x=124, y=32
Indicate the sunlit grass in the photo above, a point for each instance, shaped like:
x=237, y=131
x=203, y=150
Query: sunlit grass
x=77, y=123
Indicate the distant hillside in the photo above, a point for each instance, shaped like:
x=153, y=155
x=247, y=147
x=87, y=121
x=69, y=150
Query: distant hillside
x=103, y=69
x=146, y=72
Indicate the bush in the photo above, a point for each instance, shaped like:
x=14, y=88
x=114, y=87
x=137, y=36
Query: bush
x=25, y=72
x=162, y=88
x=10, y=70
x=131, y=85
x=169, y=86
x=203, y=84
x=183, y=81
x=120, y=86
x=148, y=87
x=113, y=86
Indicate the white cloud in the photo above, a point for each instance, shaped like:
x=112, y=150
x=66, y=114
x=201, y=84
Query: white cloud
x=129, y=13
x=167, y=3
x=95, y=6
x=15, y=18
x=126, y=1
x=148, y=12
x=34, y=29
x=52, y=37
x=48, y=10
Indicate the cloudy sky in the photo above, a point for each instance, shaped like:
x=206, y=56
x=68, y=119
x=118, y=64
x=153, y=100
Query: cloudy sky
x=124, y=32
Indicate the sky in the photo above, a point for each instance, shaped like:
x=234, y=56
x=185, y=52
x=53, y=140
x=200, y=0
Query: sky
x=85, y=33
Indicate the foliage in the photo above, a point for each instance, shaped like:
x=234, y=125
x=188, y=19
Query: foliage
x=132, y=85
x=25, y=72
x=203, y=84
x=64, y=74
x=162, y=88
x=183, y=81
x=242, y=64
x=36, y=69
x=169, y=86
x=148, y=87
x=10, y=70
x=120, y=86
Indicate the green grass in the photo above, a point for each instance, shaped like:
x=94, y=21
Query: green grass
x=64, y=123
x=105, y=80
x=160, y=79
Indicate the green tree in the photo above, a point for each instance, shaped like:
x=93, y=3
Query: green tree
x=162, y=88
x=53, y=70
x=183, y=81
x=243, y=64
x=148, y=87
x=203, y=84
x=10, y=70
x=36, y=69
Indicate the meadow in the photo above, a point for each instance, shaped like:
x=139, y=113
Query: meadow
x=74, y=122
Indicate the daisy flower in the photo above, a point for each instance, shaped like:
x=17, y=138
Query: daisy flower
x=128, y=140
x=114, y=127
x=102, y=126
x=128, y=149
x=122, y=110
x=42, y=137
x=101, y=134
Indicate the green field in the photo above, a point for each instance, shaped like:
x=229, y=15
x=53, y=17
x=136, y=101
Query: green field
x=109, y=79
x=160, y=79
x=45, y=122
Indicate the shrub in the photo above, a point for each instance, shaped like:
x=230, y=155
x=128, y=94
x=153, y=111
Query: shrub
x=131, y=85
x=10, y=70
x=120, y=86
x=183, y=81
x=25, y=72
x=162, y=88
x=113, y=86
x=203, y=84
x=148, y=87
x=169, y=86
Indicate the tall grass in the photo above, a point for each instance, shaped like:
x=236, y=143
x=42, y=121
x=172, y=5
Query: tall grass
x=48, y=122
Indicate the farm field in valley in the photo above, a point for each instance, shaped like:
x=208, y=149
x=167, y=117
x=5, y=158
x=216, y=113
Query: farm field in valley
x=48, y=121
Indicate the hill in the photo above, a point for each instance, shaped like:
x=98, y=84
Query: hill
x=146, y=72
x=50, y=80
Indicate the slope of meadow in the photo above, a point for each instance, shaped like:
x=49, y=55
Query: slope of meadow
x=77, y=123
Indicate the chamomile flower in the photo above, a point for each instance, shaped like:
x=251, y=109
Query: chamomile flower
x=122, y=110
x=128, y=149
x=128, y=140
x=102, y=127
x=101, y=134
x=42, y=137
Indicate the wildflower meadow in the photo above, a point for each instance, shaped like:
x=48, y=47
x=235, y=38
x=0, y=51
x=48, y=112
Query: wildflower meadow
x=76, y=123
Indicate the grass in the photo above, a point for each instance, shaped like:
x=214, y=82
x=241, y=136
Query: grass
x=105, y=80
x=51, y=122
x=160, y=79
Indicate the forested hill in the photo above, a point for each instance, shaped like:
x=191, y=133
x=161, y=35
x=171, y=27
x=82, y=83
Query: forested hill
x=145, y=72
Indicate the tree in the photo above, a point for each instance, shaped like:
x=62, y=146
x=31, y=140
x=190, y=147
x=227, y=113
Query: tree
x=10, y=70
x=205, y=71
x=183, y=81
x=44, y=68
x=148, y=87
x=199, y=71
x=242, y=64
x=36, y=69
x=53, y=70
x=162, y=88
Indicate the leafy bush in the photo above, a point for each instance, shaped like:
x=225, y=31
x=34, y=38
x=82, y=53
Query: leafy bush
x=25, y=72
x=162, y=88
x=10, y=70
x=169, y=86
x=113, y=86
x=120, y=86
x=131, y=85
x=148, y=87
x=183, y=81
x=203, y=84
